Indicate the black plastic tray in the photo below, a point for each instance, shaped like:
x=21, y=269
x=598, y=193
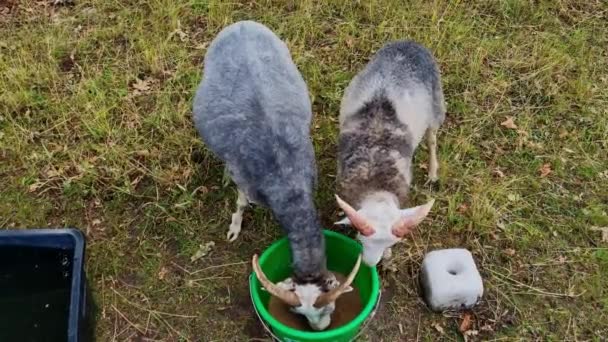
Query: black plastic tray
x=71, y=244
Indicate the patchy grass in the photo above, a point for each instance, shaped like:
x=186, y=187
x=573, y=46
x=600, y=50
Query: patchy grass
x=96, y=132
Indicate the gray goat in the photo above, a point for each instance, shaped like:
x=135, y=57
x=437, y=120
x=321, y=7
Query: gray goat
x=385, y=112
x=253, y=111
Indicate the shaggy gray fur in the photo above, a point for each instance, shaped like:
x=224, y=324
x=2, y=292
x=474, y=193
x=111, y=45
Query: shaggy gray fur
x=252, y=109
x=385, y=111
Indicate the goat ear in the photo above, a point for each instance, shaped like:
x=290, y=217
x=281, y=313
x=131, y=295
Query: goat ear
x=345, y=221
x=410, y=218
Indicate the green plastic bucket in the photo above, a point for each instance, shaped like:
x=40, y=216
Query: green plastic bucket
x=342, y=253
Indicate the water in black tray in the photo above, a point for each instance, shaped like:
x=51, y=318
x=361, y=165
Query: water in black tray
x=34, y=293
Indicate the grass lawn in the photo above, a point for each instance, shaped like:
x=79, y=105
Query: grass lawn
x=96, y=133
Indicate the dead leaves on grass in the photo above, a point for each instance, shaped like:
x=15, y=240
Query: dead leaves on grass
x=466, y=323
x=162, y=273
x=510, y=251
x=439, y=328
x=545, y=170
x=463, y=208
x=203, y=249
x=604, y=231
x=466, y=326
x=201, y=46
x=523, y=136
x=34, y=187
x=183, y=36
x=509, y=123
x=498, y=173
x=142, y=85
x=55, y=176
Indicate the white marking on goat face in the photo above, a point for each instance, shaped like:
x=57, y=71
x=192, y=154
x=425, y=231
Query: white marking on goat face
x=382, y=213
x=318, y=318
x=374, y=245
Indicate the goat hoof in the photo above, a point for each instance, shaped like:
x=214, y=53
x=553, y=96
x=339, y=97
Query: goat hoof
x=433, y=184
x=233, y=234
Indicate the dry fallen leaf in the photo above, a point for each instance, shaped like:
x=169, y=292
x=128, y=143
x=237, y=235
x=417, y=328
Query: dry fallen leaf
x=568, y=150
x=183, y=36
x=465, y=324
x=462, y=208
x=203, y=249
x=513, y=197
x=508, y=123
x=34, y=187
x=604, y=231
x=136, y=180
x=202, y=189
x=534, y=145
x=510, y=251
x=438, y=328
x=545, y=170
x=487, y=327
x=52, y=173
x=163, y=273
x=142, y=153
x=350, y=42
x=141, y=85
x=498, y=173
x=471, y=333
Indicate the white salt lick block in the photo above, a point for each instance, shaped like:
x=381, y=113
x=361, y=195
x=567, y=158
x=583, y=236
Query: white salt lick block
x=450, y=279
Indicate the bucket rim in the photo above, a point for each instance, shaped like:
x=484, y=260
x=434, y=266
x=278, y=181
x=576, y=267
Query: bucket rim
x=354, y=324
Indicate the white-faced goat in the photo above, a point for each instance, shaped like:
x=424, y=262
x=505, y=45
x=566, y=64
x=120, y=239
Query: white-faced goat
x=385, y=112
x=253, y=111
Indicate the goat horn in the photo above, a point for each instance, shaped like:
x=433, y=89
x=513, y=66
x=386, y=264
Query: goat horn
x=333, y=294
x=405, y=225
x=288, y=297
x=358, y=221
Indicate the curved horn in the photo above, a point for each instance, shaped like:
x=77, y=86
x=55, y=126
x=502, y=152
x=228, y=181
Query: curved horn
x=406, y=224
x=332, y=295
x=358, y=221
x=288, y=297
